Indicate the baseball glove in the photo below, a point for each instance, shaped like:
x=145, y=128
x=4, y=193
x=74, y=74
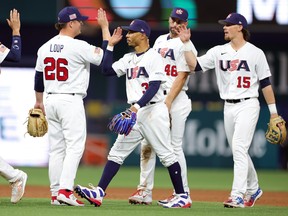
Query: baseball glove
x=276, y=132
x=37, y=125
x=123, y=122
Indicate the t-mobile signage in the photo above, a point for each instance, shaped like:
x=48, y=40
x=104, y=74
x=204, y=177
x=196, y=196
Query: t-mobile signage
x=264, y=10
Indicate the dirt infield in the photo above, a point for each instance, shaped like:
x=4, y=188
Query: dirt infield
x=268, y=198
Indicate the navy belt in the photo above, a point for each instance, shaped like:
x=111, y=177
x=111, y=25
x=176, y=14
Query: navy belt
x=237, y=100
x=150, y=103
x=61, y=93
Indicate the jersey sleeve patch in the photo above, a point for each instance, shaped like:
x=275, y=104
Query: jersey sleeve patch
x=2, y=48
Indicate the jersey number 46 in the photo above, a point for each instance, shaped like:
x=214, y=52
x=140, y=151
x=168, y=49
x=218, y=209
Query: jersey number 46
x=171, y=70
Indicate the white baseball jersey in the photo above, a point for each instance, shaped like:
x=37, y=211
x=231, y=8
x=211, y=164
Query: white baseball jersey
x=238, y=72
x=153, y=122
x=65, y=62
x=139, y=71
x=172, y=52
x=3, y=52
x=171, y=49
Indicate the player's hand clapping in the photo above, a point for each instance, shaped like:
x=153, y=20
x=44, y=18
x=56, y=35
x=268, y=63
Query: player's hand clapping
x=116, y=37
x=184, y=33
x=103, y=23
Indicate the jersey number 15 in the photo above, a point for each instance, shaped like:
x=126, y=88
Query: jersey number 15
x=243, y=82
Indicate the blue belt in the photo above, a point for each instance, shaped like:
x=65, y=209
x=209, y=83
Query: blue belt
x=61, y=93
x=237, y=100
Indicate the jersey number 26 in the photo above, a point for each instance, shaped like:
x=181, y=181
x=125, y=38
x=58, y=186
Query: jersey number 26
x=56, y=69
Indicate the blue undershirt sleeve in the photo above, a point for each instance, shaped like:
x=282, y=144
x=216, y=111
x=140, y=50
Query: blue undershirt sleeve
x=14, y=54
x=107, y=69
x=38, y=82
x=265, y=82
x=198, y=67
x=150, y=92
x=104, y=47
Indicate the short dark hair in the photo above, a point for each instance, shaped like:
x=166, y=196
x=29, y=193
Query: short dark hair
x=246, y=34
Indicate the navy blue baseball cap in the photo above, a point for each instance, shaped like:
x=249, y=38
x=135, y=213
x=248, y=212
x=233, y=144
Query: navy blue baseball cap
x=138, y=25
x=236, y=19
x=70, y=13
x=179, y=13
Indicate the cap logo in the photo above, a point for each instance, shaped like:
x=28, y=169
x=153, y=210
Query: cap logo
x=179, y=11
x=132, y=22
x=72, y=16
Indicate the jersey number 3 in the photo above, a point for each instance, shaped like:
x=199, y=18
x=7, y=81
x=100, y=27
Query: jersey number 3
x=56, y=69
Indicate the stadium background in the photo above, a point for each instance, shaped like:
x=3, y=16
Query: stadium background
x=204, y=144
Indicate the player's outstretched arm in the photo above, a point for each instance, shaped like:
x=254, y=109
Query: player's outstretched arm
x=107, y=62
x=14, y=54
x=185, y=35
x=103, y=23
x=14, y=22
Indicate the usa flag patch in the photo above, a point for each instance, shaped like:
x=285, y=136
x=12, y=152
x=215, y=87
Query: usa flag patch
x=97, y=50
x=72, y=16
x=2, y=48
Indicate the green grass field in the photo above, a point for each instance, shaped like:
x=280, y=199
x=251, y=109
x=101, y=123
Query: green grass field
x=218, y=179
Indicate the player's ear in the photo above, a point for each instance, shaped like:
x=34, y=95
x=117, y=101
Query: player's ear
x=70, y=24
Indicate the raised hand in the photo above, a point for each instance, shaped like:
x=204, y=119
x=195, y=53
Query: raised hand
x=104, y=24
x=102, y=18
x=116, y=37
x=184, y=33
x=14, y=22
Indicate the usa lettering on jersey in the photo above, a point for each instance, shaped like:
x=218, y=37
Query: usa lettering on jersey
x=167, y=53
x=234, y=65
x=136, y=72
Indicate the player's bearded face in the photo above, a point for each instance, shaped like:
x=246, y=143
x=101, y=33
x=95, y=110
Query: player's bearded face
x=230, y=31
x=174, y=24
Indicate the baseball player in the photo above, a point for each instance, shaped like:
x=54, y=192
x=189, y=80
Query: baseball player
x=177, y=73
x=144, y=73
x=17, y=178
x=240, y=68
x=62, y=71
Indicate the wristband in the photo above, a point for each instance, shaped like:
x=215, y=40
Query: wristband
x=188, y=46
x=110, y=48
x=272, y=108
x=137, y=106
